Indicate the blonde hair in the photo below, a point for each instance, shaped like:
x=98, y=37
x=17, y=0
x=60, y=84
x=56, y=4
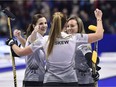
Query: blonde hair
x=58, y=22
x=79, y=23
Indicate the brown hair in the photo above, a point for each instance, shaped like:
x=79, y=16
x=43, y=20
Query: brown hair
x=34, y=21
x=57, y=25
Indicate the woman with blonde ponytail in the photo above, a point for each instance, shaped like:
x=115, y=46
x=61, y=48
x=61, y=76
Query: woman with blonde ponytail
x=55, y=31
x=60, y=48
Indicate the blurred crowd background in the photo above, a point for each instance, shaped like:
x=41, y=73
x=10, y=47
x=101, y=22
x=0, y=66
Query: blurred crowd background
x=25, y=9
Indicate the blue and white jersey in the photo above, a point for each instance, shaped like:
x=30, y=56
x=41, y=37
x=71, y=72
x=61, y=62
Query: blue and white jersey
x=35, y=63
x=60, y=63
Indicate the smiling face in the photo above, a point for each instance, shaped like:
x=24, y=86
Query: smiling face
x=42, y=23
x=72, y=26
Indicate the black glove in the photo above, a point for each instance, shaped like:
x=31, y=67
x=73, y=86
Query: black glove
x=10, y=42
x=96, y=76
x=98, y=67
x=88, y=57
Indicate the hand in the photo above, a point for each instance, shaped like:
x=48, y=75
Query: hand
x=88, y=57
x=98, y=68
x=17, y=33
x=10, y=42
x=36, y=28
x=98, y=14
x=96, y=76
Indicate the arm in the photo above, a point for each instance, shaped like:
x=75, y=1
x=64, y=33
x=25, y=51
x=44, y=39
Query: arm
x=22, y=51
x=19, y=51
x=99, y=32
x=87, y=52
x=33, y=35
x=17, y=33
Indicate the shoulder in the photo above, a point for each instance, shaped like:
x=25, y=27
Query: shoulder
x=46, y=36
x=84, y=46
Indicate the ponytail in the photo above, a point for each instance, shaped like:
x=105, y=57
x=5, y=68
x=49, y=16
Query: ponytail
x=55, y=31
x=29, y=30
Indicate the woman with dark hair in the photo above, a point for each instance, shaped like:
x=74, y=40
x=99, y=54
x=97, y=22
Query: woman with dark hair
x=60, y=48
x=35, y=62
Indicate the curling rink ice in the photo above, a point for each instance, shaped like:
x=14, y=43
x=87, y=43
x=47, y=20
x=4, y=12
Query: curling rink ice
x=107, y=63
x=6, y=74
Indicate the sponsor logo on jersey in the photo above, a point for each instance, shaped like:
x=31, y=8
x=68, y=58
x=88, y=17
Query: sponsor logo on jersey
x=61, y=42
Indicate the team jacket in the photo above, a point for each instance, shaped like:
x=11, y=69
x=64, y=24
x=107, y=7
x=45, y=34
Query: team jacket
x=83, y=71
x=35, y=64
